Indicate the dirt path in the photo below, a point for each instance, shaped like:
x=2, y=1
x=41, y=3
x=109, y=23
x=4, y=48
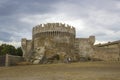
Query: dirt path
x=61, y=71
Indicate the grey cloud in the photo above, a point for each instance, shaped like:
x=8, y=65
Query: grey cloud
x=5, y=36
x=101, y=17
x=12, y=29
x=16, y=7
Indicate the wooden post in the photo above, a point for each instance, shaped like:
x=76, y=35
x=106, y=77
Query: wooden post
x=6, y=60
x=119, y=52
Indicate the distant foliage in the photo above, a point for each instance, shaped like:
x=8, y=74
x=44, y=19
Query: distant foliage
x=19, y=51
x=9, y=49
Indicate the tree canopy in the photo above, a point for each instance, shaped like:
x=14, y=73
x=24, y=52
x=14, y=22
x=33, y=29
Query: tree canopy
x=9, y=49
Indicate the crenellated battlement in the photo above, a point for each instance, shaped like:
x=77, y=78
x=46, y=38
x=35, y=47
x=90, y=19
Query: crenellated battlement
x=52, y=27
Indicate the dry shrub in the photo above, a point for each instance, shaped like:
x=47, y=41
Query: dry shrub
x=24, y=63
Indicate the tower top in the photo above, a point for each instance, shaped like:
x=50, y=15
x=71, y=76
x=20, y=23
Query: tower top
x=50, y=27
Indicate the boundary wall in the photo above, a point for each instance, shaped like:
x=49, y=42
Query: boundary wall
x=10, y=60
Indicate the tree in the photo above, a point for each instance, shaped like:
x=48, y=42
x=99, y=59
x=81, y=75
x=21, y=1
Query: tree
x=1, y=50
x=19, y=51
x=9, y=49
x=4, y=49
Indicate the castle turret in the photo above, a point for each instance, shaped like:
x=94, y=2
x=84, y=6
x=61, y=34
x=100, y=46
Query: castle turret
x=53, y=27
x=54, y=32
x=49, y=40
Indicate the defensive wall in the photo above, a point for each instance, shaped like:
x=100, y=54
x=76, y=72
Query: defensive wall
x=58, y=41
x=106, y=54
x=56, y=37
x=84, y=46
x=10, y=60
x=2, y=60
x=26, y=48
x=108, y=51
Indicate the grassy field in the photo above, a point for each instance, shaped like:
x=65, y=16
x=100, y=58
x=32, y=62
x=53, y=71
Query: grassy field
x=61, y=71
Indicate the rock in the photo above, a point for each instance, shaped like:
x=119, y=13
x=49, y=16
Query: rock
x=36, y=61
x=38, y=55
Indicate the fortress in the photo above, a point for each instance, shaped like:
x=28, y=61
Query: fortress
x=56, y=42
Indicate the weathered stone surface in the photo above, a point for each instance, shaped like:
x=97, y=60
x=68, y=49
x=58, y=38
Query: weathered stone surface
x=38, y=55
x=85, y=47
x=36, y=61
x=55, y=42
x=108, y=51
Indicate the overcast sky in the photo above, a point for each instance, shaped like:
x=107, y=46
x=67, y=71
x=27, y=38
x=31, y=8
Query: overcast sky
x=100, y=18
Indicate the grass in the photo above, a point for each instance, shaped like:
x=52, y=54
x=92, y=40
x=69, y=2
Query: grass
x=61, y=71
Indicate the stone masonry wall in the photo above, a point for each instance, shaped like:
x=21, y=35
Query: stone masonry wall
x=49, y=39
x=10, y=60
x=26, y=48
x=84, y=46
x=106, y=54
x=108, y=51
x=2, y=60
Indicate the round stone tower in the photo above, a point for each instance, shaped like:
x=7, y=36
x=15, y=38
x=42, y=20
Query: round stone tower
x=56, y=38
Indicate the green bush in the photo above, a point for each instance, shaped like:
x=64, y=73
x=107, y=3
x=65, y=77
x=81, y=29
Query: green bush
x=9, y=49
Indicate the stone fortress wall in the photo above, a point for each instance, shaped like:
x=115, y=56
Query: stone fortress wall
x=108, y=51
x=58, y=41
x=26, y=48
x=10, y=60
x=84, y=46
x=50, y=39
